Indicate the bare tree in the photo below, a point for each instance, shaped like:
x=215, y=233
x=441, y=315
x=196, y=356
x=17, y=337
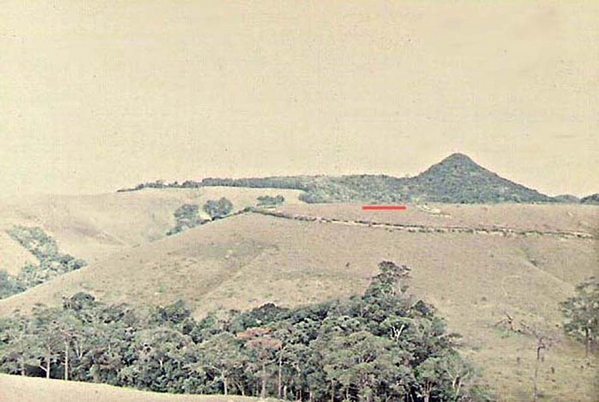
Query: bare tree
x=543, y=342
x=507, y=322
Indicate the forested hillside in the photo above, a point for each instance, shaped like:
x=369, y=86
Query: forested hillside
x=456, y=179
x=382, y=345
x=591, y=199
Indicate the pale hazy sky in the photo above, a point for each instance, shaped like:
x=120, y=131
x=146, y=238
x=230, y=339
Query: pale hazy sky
x=97, y=95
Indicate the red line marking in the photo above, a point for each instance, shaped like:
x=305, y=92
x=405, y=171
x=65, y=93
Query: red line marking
x=384, y=208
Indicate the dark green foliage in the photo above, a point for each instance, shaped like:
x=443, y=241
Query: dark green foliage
x=51, y=261
x=187, y=217
x=268, y=201
x=581, y=313
x=154, y=184
x=10, y=285
x=36, y=241
x=175, y=315
x=383, y=345
x=218, y=209
x=592, y=199
x=456, y=179
x=79, y=301
x=567, y=199
x=296, y=183
x=222, y=360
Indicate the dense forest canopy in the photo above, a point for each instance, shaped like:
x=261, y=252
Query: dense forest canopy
x=382, y=345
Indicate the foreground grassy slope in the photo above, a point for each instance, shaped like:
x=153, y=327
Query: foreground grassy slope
x=93, y=227
x=473, y=279
x=27, y=389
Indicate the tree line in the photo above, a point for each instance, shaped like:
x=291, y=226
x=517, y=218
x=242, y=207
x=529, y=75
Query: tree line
x=187, y=215
x=382, y=345
x=456, y=179
x=51, y=262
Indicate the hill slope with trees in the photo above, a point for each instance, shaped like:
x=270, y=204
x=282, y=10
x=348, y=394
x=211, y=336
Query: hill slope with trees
x=381, y=345
x=456, y=179
x=592, y=199
x=247, y=260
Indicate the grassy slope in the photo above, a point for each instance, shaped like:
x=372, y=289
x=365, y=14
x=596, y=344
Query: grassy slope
x=247, y=260
x=26, y=389
x=93, y=227
x=541, y=217
x=12, y=256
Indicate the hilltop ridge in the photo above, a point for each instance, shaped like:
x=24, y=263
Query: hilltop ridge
x=456, y=179
x=592, y=199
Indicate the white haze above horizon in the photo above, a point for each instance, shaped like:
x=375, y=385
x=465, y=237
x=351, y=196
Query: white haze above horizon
x=97, y=96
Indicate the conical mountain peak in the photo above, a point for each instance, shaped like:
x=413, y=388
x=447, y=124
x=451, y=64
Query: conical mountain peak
x=458, y=178
x=456, y=164
x=458, y=159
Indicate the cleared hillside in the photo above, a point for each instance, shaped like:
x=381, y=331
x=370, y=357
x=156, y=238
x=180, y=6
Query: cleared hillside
x=473, y=279
x=28, y=389
x=544, y=218
x=93, y=227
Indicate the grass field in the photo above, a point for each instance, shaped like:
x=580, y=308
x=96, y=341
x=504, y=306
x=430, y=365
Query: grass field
x=93, y=227
x=473, y=279
x=26, y=389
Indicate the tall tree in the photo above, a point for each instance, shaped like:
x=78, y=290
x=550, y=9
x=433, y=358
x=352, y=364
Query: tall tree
x=221, y=356
x=48, y=347
x=186, y=217
x=581, y=313
x=218, y=209
x=262, y=345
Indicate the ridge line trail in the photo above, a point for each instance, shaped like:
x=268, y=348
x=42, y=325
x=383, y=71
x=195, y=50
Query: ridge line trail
x=429, y=229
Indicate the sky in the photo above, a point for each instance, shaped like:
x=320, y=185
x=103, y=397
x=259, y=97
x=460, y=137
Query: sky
x=100, y=95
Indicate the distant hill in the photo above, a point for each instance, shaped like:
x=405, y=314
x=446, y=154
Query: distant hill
x=591, y=199
x=567, y=199
x=456, y=179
